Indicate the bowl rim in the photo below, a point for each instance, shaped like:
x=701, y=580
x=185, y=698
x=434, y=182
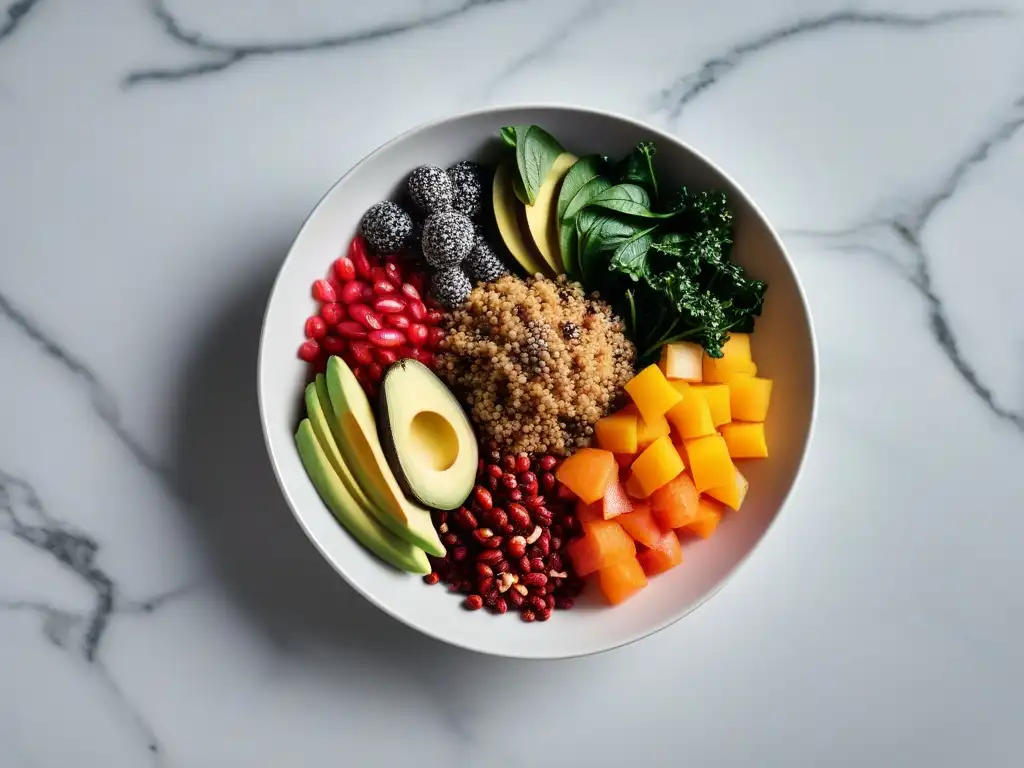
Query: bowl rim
x=656, y=134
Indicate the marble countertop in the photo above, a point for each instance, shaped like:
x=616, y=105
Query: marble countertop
x=159, y=606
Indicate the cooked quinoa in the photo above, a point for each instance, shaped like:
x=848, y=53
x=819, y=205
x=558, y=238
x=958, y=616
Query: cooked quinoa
x=537, y=362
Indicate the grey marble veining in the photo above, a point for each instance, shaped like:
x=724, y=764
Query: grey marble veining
x=159, y=607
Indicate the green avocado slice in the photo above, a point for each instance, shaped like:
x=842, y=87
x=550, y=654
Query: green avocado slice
x=325, y=425
x=354, y=518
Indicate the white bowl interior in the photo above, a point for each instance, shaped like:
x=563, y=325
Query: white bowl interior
x=783, y=349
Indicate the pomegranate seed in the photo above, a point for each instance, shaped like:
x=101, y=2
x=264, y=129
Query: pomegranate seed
x=383, y=287
x=527, y=615
x=418, y=334
x=547, y=463
x=485, y=571
x=522, y=463
x=393, y=272
x=432, y=578
x=351, y=330
x=502, y=566
x=449, y=539
x=517, y=546
x=374, y=372
x=483, y=497
x=509, y=481
x=388, y=306
x=515, y=495
x=332, y=313
x=534, y=502
x=401, y=322
x=344, y=269
x=323, y=291
x=527, y=479
x=547, y=481
x=366, y=316
x=492, y=483
x=508, y=463
x=435, y=317
x=360, y=259
x=536, y=601
x=486, y=585
x=518, y=516
x=490, y=556
x=459, y=554
x=500, y=605
x=544, y=543
x=565, y=494
x=386, y=357
x=524, y=564
x=309, y=350
x=409, y=291
x=332, y=345
x=417, y=311
x=555, y=560
x=474, y=602
x=536, y=564
x=494, y=470
x=534, y=579
x=563, y=603
x=542, y=516
x=351, y=292
x=387, y=337
x=544, y=615
x=378, y=273
x=498, y=518
x=316, y=328
x=423, y=356
x=515, y=598
x=466, y=519
x=362, y=352
x=366, y=293
x=435, y=337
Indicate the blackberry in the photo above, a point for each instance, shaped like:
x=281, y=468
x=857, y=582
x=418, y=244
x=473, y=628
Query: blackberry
x=450, y=287
x=467, y=180
x=447, y=239
x=386, y=227
x=430, y=189
x=483, y=264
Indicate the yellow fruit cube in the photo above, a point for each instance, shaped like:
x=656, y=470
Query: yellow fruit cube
x=710, y=515
x=617, y=432
x=738, y=347
x=710, y=465
x=733, y=493
x=652, y=393
x=657, y=465
x=745, y=440
x=717, y=396
x=722, y=370
x=647, y=431
x=692, y=417
x=682, y=361
x=749, y=397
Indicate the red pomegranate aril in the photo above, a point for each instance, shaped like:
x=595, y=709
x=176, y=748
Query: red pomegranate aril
x=515, y=598
x=323, y=291
x=489, y=556
x=360, y=259
x=548, y=463
x=465, y=519
x=544, y=615
x=483, y=497
x=498, y=518
x=423, y=356
x=401, y=322
x=517, y=546
x=527, y=615
x=500, y=605
x=536, y=601
x=519, y=517
x=418, y=334
x=366, y=294
x=515, y=494
x=362, y=352
x=385, y=357
x=524, y=564
x=522, y=463
x=484, y=571
x=309, y=350
x=374, y=372
x=544, y=543
x=555, y=560
x=410, y=292
x=316, y=328
x=332, y=313
x=393, y=271
x=485, y=585
x=508, y=463
x=494, y=470
x=383, y=287
x=344, y=269
x=459, y=554
x=493, y=483
x=509, y=481
x=536, y=564
x=350, y=329
x=434, y=316
x=535, y=579
x=387, y=337
x=332, y=345
x=352, y=292
x=564, y=603
x=547, y=481
x=417, y=311
x=378, y=273
x=502, y=566
x=388, y=306
x=432, y=578
x=527, y=479
x=365, y=316
x=435, y=337
x=449, y=539
x=542, y=515
x=533, y=502
x=474, y=602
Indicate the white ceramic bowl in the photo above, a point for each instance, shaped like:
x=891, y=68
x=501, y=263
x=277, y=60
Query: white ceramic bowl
x=783, y=348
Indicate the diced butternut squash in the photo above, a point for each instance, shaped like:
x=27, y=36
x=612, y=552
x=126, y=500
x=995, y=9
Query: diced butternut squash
x=711, y=513
x=641, y=525
x=649, y=431
x=738, y=347
x=617, y=432
x=717, y=396
x=663, y=556
x=624, y=459
x=621, y=580
x=588, y=472
x=732, y=493
x=633, y=488
x=692, y=417
x=709, y=461
x=587, y=512
x=745, y=440
x=658, y=464
x=652, y=393
x=724, y=370
x=603, y=543
x=749, y=397
x=676, y=503
x=682, y=361
x=615, y=501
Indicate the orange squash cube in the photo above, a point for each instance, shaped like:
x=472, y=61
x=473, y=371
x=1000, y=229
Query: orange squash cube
x=737, y=346
x=711, y=513
x=652, y=393
x=692, y=417
x=723, y=370
x=663, y=556
x=603, y=543
x=676, y=503
x=633, y=488
x=621, y=580
x=681, y=360
x=732, y=493
x=709, y=461
x=617, y=432
x=659, y=463
x=588, y=472
x=641, y=525
x=749, y=397
x=717, y=396
x=745, y=440
x=615, y=501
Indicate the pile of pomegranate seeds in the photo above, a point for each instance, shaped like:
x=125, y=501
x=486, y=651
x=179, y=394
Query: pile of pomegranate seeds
x=506, y=545
x=372, y=314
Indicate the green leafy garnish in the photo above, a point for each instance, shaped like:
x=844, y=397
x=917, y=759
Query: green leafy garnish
x=536, y=151
x=638, y=168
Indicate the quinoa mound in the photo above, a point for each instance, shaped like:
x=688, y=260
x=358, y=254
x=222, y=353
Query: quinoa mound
x=536, y=362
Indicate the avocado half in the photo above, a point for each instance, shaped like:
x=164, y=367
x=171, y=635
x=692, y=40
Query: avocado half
x=426, y=436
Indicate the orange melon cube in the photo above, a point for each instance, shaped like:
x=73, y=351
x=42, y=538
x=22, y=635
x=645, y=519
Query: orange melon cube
x=732, y=493
x=615, y=501
x=682, y=361
x=633, y=488
x=663, y=556
x=652, y=393
x=737, y=346
x=749, y=397
x=588, y=472
x=692, y=417
x=659, y=463
x=711, y=513
x=649, y=431
x=719, y=370
x=603, y=543
x=621, y=580
x=617, y=432
x=745, y=440
x=709, y=461
x=717, y=396
x=641, y=525
x=676, y=503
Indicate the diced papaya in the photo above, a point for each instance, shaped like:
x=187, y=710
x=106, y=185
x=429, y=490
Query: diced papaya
x=587, y=512
x=649, y=431
x=641, y=525
x=676, y=503
x=633, y=488
x=603, y=543
x=737, y=346
x=588, y=472
x=709, y=461
x=621, y=580
x=732, y=493
x=692, y=417
x=658, y=464
x=745, y=440
x=711, y=513
x=617, y=432
x=615, y=501
x=663, y=556
x=717, y=396
x=723, y=370
x=749, y=397
x=682, y=360
x=652, y=393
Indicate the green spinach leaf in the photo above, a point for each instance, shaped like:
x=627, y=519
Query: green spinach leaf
x=508, y=135
x=638, y=168
x=582, y=171
x=536, y=150
x=630, y=257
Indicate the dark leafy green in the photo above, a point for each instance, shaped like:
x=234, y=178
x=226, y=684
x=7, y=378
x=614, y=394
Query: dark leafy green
x=582, y=171
x=536, y=150
x=638, y=168
x=568, y=239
